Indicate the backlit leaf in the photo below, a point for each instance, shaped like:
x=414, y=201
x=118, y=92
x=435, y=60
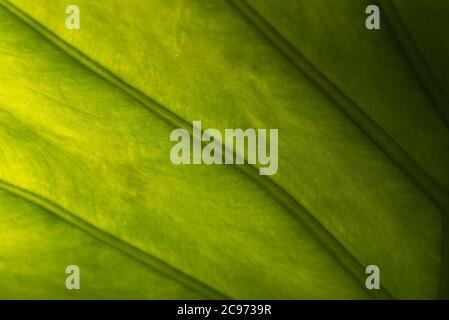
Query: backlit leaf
x=86, y=177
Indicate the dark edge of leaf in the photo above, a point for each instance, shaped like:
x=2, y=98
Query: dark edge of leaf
x=374, y=132
x=335, y=248
x=436, y=94
x=113, y=242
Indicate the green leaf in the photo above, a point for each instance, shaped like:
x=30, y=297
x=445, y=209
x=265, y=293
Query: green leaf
x=86, y=178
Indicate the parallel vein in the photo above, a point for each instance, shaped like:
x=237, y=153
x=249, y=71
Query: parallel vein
x=111, y=241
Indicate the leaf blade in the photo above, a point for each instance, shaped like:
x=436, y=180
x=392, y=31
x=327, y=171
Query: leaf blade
x=311, y=191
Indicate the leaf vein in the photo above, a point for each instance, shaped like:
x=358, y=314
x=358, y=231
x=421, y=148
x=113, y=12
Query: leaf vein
x=111, y=241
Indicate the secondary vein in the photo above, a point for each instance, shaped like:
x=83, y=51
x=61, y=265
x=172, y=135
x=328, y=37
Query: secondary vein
x=111, y=241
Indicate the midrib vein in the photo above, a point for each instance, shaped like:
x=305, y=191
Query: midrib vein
x=329, y=242
x=113, y=242
x=427, y=79
x=372, y=130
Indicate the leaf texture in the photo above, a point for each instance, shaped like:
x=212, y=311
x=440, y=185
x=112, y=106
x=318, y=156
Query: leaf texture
x=86, y=175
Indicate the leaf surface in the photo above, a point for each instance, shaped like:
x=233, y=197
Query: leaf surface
x=85, y=131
